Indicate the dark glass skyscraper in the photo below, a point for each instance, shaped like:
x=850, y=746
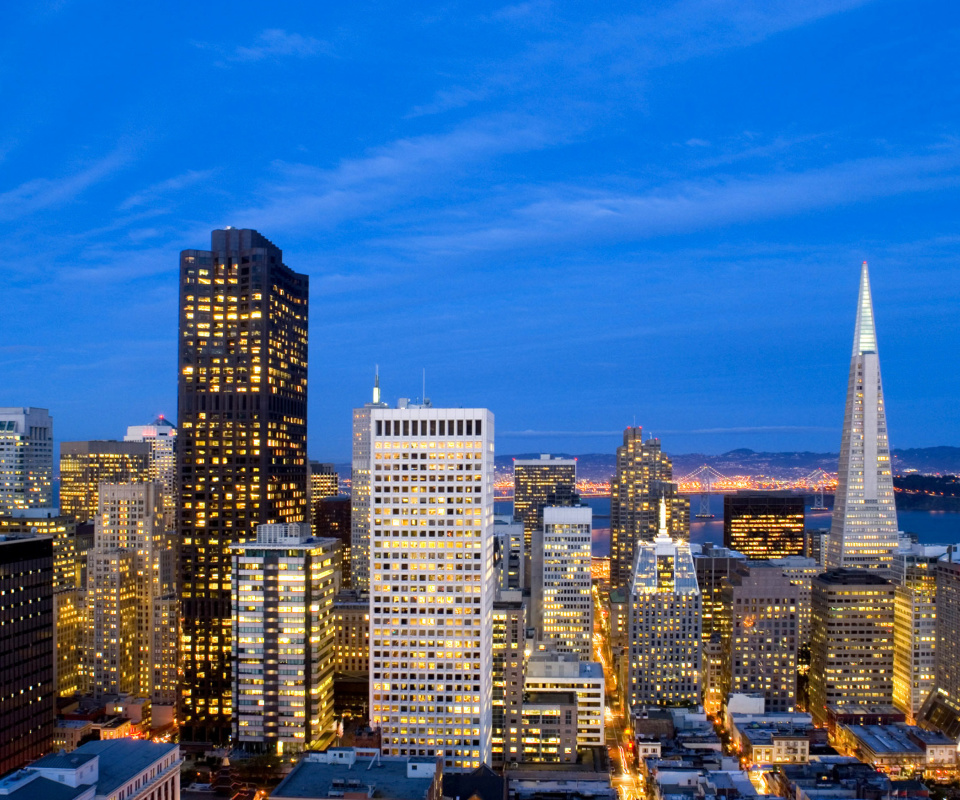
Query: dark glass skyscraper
x=763, y=524
x=242, y=451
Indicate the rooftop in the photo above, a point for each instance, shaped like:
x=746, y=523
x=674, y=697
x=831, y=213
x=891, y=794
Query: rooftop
x=121, y=759
x=383, y=777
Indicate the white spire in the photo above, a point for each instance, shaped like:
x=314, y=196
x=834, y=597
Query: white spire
x=376, y=386
x=865, y=335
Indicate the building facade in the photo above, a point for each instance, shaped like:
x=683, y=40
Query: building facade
x=851, y=641
x=562, y=603
x=27, y=689
x=665, y=624
x=510, y=618
x=549, y=673
x=242, y=439
x=26, y=459
x=763, y=524
x=644, y=476
x=161, y=435
x=947, y=658
x=284, y=584
x=85, y=465
x=537, y=483
x=864, y=529
x=432, y=581
x=351, y=619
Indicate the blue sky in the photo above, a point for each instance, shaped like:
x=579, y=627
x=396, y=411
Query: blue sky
x=577, y=215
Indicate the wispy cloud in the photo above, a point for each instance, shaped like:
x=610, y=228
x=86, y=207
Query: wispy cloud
x=272, y=43
x=152, y=194
x=41, y=193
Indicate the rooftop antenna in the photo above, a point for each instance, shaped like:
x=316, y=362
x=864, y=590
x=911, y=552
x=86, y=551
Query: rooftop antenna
x=376, y=386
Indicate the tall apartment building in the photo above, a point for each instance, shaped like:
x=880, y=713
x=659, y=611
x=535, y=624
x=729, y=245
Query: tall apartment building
x=85, y=465
x=914, y=573
x=131, y=596
x=351, y=619
x=763, y=524
x=429, y=512
x=665, y=623
x=561, y=601
x=242, y=442
x=26, y=458
x=161, y=435
x=760, y=632
x=714, y=567
x=510, y=618
x=864, y=529
x=27, y=692
x=851, y=641
x=537, y=483
x=644, y=477
x=284, y=585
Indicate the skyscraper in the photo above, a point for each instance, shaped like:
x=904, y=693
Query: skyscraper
x=161, y=435
x=85, y=465
x=864, y=529
x=26, y=459
x=644, y=476
x=430, y=516
x=509, y=644
x=763, y=524
x=947, y=658
x=537, y=483
x=241, y=451
x=283, y=639
x=851, y=641
x=562, y=605
x=665, y=638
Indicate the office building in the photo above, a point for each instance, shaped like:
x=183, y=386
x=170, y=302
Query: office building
x=131, y=596
x=284, y=585
x=665, y=624
x=947, y=658
x=816, y=544
x=114, y=769
x=714, y=567
x=644, y=477
x=864, y=529
x=161, y=435
x=549, y=728
x=559, y=673
x=851, y=641
x=509, y=645
x=430, y=516
x=760, y=636
x=351, y=619
x=324, y=481
x=26, y=459
x=27, y=702
x=914, y=574
x=331, y=519
x=763, y=524
x=562, y=603
x=537, y=483
x=241, y=442
x=800, y=571
x=85, y=465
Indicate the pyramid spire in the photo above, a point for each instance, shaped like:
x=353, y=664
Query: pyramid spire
x=865, y=335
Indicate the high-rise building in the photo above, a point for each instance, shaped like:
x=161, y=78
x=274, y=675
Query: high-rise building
x=665, y=623
x=864, y=529
x=851, y=641
x=763, y=524
x=284, y=583
x=161, y=435
x=715, y=566
x=331, y=519
x=131, y=596
x=27, y=692
x=644, y=477
x=509, y=644
x=351, y=617
x=914, y=573
x=429, y=511
x=509, y=550
x=26, y=459
x=85, y=465
x=242, y=439
x=549, y=673
x=760, y=635
x=801, y=571
x=537, y=483
x=562, y=604
x=947, y=659
x=324, y=481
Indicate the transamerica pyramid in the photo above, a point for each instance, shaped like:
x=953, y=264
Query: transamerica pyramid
x=864, y=529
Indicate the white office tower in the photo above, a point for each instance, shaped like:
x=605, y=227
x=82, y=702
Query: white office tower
x=131, y=596
x=664, y=623
x=162, y=437
x=864, y=529
x=26, y=459
x=283, y=586
x=560, y=570
x=432, y=581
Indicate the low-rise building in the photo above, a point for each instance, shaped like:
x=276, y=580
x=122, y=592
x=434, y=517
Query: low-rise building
x=772, y=744
x=898, y=748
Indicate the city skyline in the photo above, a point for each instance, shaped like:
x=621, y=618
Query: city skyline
x=655, y=202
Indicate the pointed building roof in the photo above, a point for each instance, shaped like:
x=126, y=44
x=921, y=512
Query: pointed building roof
x=865, y=335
